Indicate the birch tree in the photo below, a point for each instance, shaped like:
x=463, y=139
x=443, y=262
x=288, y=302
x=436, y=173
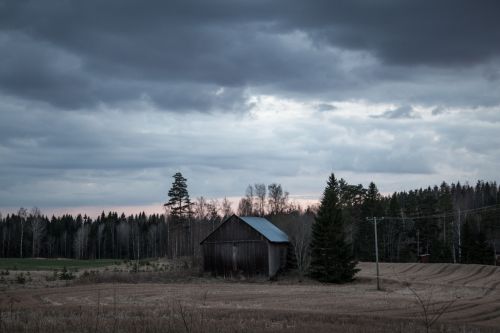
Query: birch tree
x=200, y=209
x=277, y=199
x=260, y=192
x=23, y=215
x=226, y=208
x=37, y=229
x=80, y=242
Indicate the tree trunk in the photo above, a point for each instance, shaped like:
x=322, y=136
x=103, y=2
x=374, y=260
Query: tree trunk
x=22, y=237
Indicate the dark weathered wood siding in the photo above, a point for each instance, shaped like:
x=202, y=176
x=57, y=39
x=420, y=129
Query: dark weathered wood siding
x=248, y=258
x=234, y=230
x=236, y=248
x=277, y=257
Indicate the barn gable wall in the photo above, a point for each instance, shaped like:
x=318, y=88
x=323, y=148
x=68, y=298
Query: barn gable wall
x=277, y=257
x=248, y=258
x=237, y=248
x=234, y=230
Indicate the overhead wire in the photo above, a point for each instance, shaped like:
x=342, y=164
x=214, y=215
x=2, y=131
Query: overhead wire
x=445, y=214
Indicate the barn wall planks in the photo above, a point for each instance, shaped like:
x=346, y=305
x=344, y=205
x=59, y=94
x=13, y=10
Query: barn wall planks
x=234, y=229
x=277, y=257
x=237, y=248
x=248, y=258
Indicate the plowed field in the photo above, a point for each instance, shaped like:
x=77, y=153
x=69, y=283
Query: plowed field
x=465, y=297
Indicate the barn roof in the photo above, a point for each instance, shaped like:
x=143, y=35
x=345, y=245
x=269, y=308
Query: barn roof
x=266, y=228
x=271, y=232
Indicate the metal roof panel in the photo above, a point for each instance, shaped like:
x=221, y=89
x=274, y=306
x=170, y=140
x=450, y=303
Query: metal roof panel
x=266, y=228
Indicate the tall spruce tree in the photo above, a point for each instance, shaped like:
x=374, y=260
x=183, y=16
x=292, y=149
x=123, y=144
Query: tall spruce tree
x=475, y=247
x=179, y=201
x=331, y=257
x=372, y=206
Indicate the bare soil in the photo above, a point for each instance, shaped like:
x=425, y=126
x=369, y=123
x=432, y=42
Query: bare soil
x=467, y=295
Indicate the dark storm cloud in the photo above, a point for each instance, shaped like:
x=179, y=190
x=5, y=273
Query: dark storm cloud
x=423, y=32
x=438, y=110
x=237, y=92
x=402, y=112
x=77, y=54
x=325, y=107
x=440, y=33
x=39, y=71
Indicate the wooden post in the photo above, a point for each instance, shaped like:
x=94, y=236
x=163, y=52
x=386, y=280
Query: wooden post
x=376, y=252
x=374, y=220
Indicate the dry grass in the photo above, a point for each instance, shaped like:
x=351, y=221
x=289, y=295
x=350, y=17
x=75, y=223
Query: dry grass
x=179, y=317
x=182, y=301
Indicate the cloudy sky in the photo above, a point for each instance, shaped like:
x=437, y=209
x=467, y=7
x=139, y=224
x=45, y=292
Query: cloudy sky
x=101, y=102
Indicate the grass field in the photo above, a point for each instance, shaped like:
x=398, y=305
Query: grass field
x=414, y=298
x=30, y=264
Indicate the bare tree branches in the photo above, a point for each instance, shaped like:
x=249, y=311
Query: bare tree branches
x=37, y=229
x=430, y=311
x=23, y=215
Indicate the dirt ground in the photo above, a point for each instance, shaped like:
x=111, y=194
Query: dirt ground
x=465, y=297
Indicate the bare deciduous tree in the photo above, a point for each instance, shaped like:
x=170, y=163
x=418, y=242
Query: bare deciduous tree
x=136, y=240
x=226, y=208
x=260, y=192
x=298, y=228
x=38, y=229
x=277, y=199
x=80, y=242
x=300, y=238
x=245, y=207
x=431, y=310
x=23, y=215
x=200, y=209
x=213, y=212
x=250, y=198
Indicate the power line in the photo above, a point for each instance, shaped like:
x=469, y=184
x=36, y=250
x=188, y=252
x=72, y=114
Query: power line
x=459, y=213
x=446, y=214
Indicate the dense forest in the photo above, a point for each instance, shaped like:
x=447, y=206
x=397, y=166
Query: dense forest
x=447, y=223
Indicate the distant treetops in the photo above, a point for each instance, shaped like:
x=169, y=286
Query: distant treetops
x=331, y=256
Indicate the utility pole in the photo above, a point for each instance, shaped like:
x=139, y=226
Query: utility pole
x=374, y=220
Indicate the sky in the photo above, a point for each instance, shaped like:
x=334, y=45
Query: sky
x=101, y=102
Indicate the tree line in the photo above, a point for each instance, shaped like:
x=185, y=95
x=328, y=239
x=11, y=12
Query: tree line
x=31, y=234
x=447, y=223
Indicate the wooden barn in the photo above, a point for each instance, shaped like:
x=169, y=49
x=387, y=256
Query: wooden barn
x=245, y=245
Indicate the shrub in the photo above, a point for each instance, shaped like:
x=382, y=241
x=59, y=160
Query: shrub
x=52, y=277
x=65, y=274
x=20, y=278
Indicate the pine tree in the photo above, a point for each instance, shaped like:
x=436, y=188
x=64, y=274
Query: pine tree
x=331, y=257
x=179, y=201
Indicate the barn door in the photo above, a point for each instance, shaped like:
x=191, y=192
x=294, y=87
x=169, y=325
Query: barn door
x=235, y=256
